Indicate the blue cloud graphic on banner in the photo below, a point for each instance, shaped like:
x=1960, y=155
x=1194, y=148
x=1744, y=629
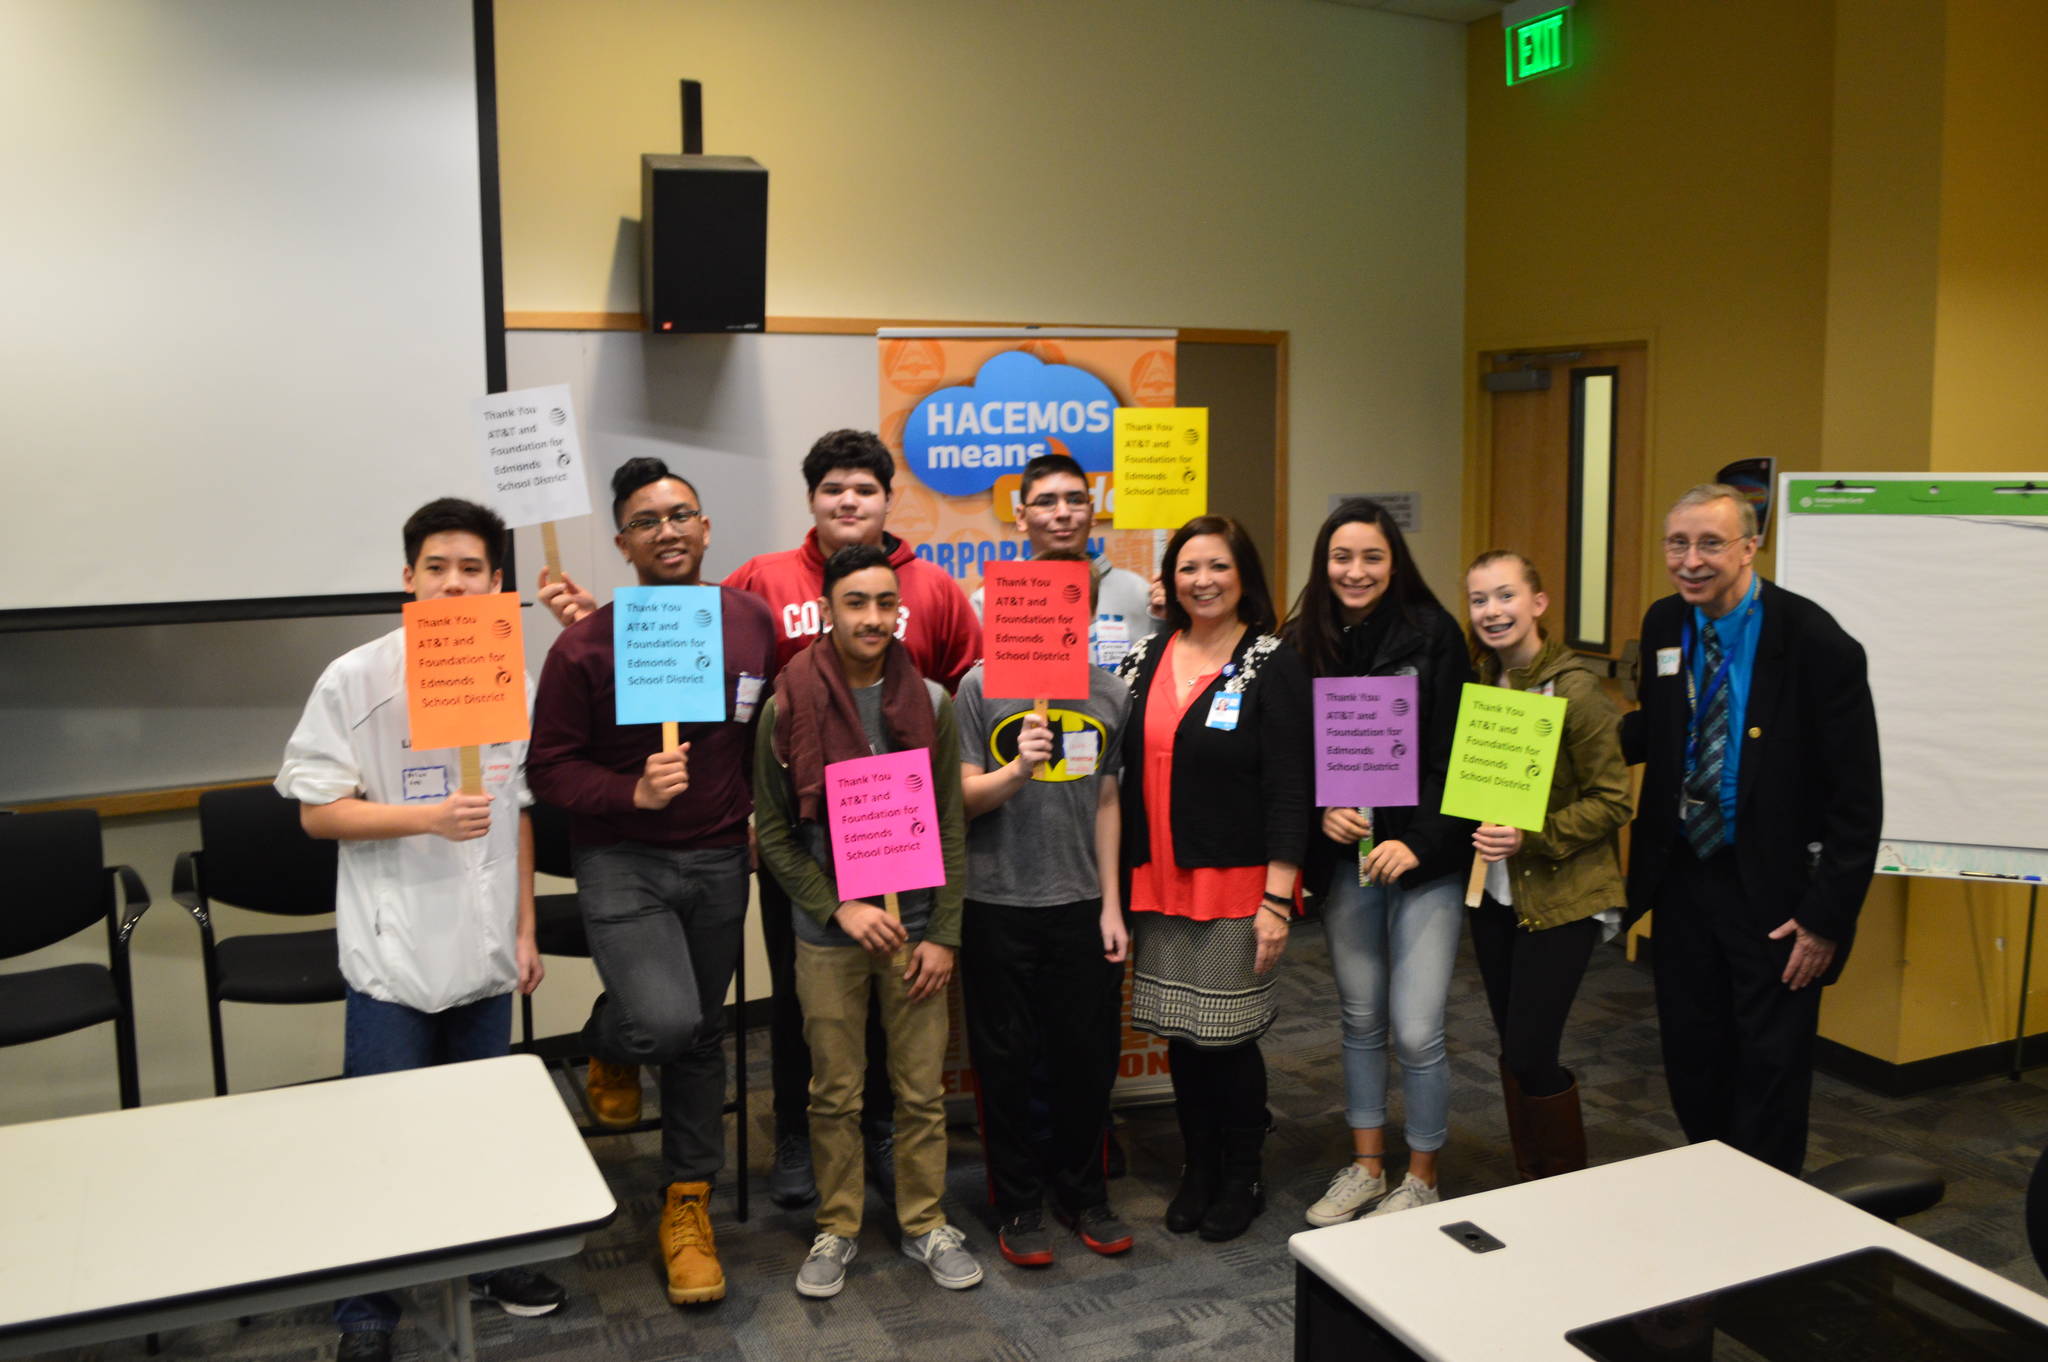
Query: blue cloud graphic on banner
x=958, y=441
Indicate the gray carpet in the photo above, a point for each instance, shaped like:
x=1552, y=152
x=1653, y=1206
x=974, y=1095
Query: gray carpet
x=1170, y=1297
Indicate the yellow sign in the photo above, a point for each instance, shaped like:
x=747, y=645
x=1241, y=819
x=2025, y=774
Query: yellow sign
x=1162, y=466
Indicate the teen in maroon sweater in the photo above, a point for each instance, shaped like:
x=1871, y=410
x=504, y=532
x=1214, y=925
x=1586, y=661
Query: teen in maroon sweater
x=661, y=861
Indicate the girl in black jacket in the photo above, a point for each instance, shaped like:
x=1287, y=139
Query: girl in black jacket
x=1391, y=879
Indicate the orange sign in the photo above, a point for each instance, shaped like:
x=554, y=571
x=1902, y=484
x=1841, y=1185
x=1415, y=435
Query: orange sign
x=465, y=671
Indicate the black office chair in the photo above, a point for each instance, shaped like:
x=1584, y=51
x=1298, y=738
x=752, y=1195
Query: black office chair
x=558, y=930
x=54, y=887
x=254, y=855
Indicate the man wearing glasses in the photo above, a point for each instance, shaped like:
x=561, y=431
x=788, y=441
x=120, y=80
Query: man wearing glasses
x=1758, y=827
x=1055, y=512
x=661, y=860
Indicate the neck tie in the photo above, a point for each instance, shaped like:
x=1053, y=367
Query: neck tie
x=1704, y=826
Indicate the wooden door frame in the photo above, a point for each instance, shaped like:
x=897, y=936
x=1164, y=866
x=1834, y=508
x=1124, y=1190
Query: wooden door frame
x=1478, y=496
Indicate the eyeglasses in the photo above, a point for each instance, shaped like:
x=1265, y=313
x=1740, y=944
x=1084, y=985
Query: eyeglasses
x=1677, y=546
x=1053, y=501
x=645, y=525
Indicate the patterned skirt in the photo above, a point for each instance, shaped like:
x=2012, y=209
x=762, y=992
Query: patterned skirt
x=1193, y=981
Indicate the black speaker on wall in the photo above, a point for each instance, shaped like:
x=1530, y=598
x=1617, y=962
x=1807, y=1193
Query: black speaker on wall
x=703, y=243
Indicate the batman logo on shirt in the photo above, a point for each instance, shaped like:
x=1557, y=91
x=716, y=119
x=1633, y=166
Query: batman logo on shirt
x=1071, y=730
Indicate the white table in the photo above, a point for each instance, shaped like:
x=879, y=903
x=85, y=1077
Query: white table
x=1592, y=1246
x=126, y=1222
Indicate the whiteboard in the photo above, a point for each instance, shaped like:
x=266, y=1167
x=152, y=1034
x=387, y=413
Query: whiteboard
x=244, y=267
x=1941, y=580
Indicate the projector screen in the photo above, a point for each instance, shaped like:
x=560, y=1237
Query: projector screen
x=249, y=266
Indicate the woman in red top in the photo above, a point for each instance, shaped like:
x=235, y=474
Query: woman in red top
x=1216, y=798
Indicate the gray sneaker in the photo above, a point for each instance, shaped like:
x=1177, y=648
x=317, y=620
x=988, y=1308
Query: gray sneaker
x=943, y=1253
x=1412, y=1192
x=824, y=1272
x=1351, y=1191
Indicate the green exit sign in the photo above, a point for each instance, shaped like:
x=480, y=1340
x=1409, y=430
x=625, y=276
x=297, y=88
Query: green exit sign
x=1539, y=46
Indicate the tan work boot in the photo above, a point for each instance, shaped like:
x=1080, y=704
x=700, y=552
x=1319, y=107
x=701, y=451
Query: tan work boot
x=614, y=1092
x=694, y=1274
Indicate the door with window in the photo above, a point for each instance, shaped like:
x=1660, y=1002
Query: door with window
x=1566, y=484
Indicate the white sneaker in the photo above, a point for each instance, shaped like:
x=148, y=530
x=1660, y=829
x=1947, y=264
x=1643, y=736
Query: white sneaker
x=824, y=1271
x=1351, y=1191
x=945, y=1256
x=1413, y=1191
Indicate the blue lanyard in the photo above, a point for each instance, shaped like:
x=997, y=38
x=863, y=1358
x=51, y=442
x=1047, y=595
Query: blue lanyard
x=1695, y=701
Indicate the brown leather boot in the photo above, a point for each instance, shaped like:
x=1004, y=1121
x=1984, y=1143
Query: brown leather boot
x=694, y=1273
x=614, y=1092
x=1557, y=1132
x=1518, y=1124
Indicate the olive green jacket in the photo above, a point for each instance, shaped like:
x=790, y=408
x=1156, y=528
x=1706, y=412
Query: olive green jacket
x=1572, y=868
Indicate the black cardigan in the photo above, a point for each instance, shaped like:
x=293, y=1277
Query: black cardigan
x=1240, y=795
x=1431, y=648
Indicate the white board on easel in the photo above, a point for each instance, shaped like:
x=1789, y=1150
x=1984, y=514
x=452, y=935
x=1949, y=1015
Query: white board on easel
x=1941, y=579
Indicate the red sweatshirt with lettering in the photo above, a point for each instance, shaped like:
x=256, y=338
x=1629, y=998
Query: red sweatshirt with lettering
x=933, y=619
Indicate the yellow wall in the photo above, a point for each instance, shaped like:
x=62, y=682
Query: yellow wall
x=1278, y=164
x=1671, y=186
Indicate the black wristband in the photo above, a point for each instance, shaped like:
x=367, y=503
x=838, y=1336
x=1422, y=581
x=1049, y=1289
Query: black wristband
x=1280, y=901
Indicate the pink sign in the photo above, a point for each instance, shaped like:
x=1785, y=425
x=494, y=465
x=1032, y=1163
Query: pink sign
x=884, y=824
x=1365, y=741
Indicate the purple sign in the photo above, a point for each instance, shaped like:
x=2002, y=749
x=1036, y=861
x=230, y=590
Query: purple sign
x=1365, y=741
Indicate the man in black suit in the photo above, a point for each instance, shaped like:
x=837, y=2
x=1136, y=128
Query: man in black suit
x=1757, y=830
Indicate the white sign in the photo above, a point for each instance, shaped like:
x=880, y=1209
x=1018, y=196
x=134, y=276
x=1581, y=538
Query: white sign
x=533, y=457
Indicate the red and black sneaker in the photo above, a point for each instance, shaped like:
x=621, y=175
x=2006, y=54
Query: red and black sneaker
x=1099, y=1228
x=1025, y=1241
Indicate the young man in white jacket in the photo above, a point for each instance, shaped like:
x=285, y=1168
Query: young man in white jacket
x=434, y=900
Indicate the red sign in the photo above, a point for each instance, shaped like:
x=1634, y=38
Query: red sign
x=1035, y=631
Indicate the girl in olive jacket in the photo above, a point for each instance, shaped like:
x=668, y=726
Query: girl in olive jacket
x=1536, y=928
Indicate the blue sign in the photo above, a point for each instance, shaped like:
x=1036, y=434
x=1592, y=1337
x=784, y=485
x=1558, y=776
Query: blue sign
x=668, y=654
x=958, y=441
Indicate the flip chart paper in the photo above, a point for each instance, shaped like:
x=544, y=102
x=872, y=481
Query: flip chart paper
x=1034, y=630
x=465, y=671
x=1365, y=741
x=1504, y=756
x=884, y=824
x=668, y=654
x=1161, y=466
x=532, y=455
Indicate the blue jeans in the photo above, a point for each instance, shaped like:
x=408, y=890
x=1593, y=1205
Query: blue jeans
x=1392, y=950
x=665, y=927
x=382, y=1038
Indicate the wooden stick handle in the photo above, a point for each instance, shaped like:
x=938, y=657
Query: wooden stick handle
x=471, y=760
x=1042, y=708
x=670, y=741
x=895, y=910
x=1475, y=887
x=551, y=549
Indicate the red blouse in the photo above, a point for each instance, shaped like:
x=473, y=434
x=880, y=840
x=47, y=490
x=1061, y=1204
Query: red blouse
x=1159, y=886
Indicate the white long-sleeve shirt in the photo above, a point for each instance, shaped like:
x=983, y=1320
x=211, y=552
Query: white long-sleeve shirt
x=422, y=921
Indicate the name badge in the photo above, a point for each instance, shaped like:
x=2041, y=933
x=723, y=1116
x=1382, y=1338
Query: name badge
x=1081, y=751
x=497, y=772
x=1667, y=661
x=1109, y=642
x=746, y=697
x=426, y=782
x=1223, y=710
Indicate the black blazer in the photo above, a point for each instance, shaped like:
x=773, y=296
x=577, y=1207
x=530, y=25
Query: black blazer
x=1808, y=800
x=1240, y=795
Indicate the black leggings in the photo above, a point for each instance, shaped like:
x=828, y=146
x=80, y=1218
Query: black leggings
x=1226, y=1086
x=1531, y=979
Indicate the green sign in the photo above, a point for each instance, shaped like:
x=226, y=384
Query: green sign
x=1503, y=756
x=1931, y=494
x=1539, y=47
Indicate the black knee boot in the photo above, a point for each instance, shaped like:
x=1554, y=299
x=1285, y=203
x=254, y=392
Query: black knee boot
x=1201, y=1169
x=1241, y=1194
